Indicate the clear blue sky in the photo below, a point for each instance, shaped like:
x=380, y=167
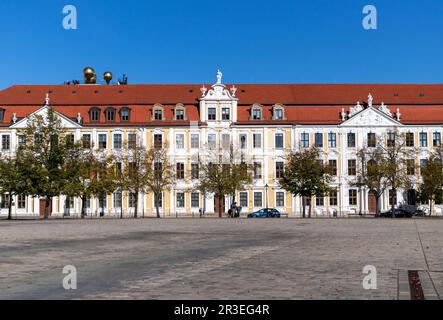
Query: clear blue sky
x=260, y=41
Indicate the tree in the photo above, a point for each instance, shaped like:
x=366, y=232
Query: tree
x=46, y=152
x=135, y=161
x=306, y=175
x=431, y=189
x=160, y=174
x=223, y=172
x=372, y=173
x=13, y=178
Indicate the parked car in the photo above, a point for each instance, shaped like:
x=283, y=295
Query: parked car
x=398, y=213
x=265, y=213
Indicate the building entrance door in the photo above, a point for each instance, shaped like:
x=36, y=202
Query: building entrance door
x=42, y=208
x=372, y=203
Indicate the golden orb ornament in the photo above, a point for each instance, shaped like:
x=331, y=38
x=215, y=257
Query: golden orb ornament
x=89, y=75
x=107, y=76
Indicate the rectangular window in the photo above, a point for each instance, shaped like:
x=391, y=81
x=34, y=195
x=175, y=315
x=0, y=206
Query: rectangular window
x=392, y=197
x=319, y=140
x=180, y=200
x=117, y=141
x=256, y=114
x=410, y=167
x=158, y=141
x=319, y=201
x=195, y=141
x=333, y=167
x=391, y=139
x=279, y=170
x=132, y=141
x=226, y=141
x=279, y=141
x=243, y=141
x=436, y=139
x=258, y=199
x=352, y=197
x=332, y=138
x=102, y=141
x=195, y=200
x=351, y=140
x=257, y=140
x=132, y=198
x=124, y=115
x=423, y=163
x=86, y=141
x=257, y=170
x=158, y=200
x=280, y=199
x=158, y=114
x=410, y=139
x=278, y=114
x=6, y=142
x=180, y=171
x=195, y=174
x=21, y=201
x=352, y=167
x=304, y=140
x=212, y=114
x=69, y=203
x=226, y=112
x=212, y=141
x=22, y=140
x=5, y=201
x=333, y=198
x=423, y=139
x=180, y=141
x=69, y=140
x=244, y=199
x=118, y=200
x=180, y=114
x=372, y=140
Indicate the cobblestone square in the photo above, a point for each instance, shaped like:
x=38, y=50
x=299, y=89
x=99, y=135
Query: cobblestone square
x=220, y=259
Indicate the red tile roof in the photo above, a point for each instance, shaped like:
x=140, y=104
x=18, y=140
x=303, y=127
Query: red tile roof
x=304, y=103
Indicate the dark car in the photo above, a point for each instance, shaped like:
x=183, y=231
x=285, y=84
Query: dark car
x=265, y=213
x=398, y=213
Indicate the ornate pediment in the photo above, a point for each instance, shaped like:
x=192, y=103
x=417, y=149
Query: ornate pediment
x=43, y=112
x=371, y=117
x=219, y=92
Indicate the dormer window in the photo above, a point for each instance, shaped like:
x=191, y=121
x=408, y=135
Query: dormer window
x=2, y=115
x=278, y=112
x=94, y=115
x=256, y=112
x=125, y=114
x=180, y=112
x=157, y=113
x=110, y=115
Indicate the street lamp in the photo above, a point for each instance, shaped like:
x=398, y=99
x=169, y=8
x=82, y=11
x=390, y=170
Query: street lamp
x=267, y=204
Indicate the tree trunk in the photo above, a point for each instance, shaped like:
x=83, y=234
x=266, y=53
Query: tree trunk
x=157, y=206
x=83, y=211
x=136, y=206
x=220, y=207
x=10, y=206
x=47, y=204
x=310, y=208
x=394, y=192
x=303, y=203
x=430, y=206
x=377, y=205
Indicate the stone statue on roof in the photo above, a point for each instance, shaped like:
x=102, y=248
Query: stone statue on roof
x=219, y=77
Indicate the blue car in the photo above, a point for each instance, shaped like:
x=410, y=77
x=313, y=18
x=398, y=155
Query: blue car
x=265, y=213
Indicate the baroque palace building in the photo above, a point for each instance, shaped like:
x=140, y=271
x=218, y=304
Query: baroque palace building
x=265, y=121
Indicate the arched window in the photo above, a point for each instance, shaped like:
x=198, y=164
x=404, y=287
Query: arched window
x=125, y=114
x=158, y=113
x=94, y=114
x=278, y=112
x=180, y=112
x=110, y=115
x=256, y=112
